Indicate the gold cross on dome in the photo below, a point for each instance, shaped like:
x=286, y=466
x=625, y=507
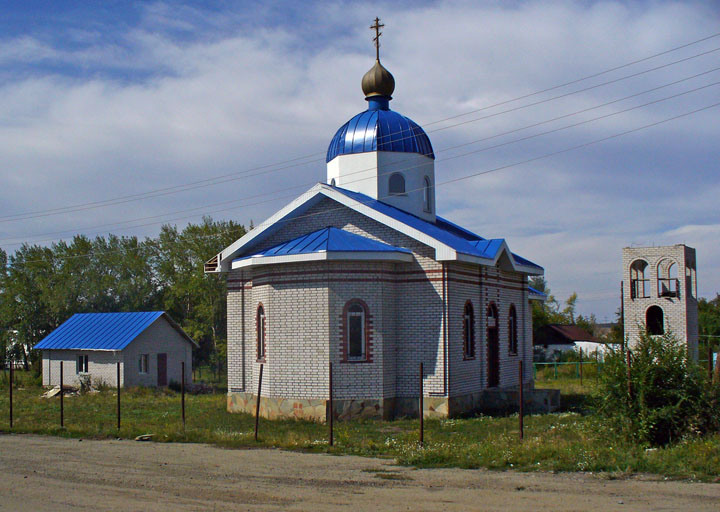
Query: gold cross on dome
x=376, y=27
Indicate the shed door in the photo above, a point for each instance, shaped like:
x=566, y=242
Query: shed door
x=162, y=369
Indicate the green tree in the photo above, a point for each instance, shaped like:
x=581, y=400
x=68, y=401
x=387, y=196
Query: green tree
x=197, y=301
x=668, y=397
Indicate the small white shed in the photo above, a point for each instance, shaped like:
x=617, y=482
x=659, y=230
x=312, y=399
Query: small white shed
x=149, y=346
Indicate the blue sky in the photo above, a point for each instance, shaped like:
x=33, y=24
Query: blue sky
x=103, y=99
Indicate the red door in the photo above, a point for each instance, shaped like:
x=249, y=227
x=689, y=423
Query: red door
x=162, y=369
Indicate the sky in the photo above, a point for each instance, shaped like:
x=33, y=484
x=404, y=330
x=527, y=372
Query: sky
x=117, y=117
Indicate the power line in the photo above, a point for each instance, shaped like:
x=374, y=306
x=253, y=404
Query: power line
x=443, y=159
x=295, y=161
x=447, y=182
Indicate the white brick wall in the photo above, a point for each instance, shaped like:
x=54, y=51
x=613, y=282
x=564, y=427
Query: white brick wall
x=304, y=302
x=680, y=313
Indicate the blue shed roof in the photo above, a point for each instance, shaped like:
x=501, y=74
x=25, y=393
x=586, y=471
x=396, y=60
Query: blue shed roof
x=380, y=130
x=328, y=239
x=102, y=331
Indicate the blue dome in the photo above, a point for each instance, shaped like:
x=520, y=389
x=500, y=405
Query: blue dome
x=379, y=129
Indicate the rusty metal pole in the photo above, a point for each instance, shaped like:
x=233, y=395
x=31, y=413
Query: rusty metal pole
x=629, y=376
x=710, y=365
x=118, y=395
x=581, y=367
x=257, y=405
x=62, y=408
x=11, y=393
x=330, y=404
x=182, y=392
x=422, y=407
x=622, y=314
x=521, y=400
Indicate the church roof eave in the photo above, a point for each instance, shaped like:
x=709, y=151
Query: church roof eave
x=454, y=244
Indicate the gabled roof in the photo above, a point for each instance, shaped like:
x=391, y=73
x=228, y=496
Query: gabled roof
x=327, y=243
x=556, y=334
x=103, y=331
x=451, y=242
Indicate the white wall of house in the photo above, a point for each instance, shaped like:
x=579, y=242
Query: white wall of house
x=102, y=367
x=160, y=337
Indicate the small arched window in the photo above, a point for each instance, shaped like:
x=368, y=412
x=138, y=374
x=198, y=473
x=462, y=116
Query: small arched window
x=639, y=285
x=655, y=320
x=355, y=331
x=261, y=326
x=667, y=277
x=468, y=331
x=332, y=182
x=512, y=330
x=427, y=196
x=396, y=185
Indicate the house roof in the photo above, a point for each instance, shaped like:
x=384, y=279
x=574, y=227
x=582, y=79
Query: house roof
x=450, y=241
x=326, y=243
x=103, y=331
x=556, y=334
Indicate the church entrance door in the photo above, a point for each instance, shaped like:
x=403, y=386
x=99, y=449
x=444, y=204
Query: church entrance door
x=493, y=347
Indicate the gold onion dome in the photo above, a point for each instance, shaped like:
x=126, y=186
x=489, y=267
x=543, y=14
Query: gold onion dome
x=378, y=82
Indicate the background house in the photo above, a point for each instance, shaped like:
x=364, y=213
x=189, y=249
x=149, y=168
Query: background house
x=149, y=346
x=554, y=339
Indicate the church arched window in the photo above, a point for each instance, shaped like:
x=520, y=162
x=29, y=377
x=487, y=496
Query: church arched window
x=513, y=330
x=655, y=320
x=261, y=326
x=468, y=331
x=356, y=332
x=427, y=197
x=639, y=284
x=396, y=185
x=667, y=277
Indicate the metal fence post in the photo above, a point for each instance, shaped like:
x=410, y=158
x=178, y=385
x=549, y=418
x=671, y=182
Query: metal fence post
x=422, y=407
x=62, y=408
x=555, y=367
x=629, y=376
x=118, y=395
x=11, y=395
x=182, y=392
x=521, y=399
x=581, y=368
x=257, y=405
x=710, y=365
x=330, y=404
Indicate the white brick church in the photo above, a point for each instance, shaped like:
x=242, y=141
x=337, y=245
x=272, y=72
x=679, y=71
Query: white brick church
x=361, y=272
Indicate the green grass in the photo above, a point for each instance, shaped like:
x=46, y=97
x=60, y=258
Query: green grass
x=566, y=441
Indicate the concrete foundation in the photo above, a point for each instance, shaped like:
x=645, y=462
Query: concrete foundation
x=487, y=401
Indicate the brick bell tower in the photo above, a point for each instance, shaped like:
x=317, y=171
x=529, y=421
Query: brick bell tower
x=660, y=293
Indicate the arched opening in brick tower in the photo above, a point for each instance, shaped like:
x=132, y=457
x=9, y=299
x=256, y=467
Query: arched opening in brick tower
x=654, y=320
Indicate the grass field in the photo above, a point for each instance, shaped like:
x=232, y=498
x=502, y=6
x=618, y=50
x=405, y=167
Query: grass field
x=572, y=440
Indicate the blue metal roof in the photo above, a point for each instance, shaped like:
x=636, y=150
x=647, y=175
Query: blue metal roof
x=536, y=292
x=377, y=129
x=100, y=331
x=442, y=230
x=328, y=239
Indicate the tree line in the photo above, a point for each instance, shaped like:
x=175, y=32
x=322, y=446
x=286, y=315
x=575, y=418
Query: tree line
x=42, y=286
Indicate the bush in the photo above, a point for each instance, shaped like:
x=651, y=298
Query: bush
x=670, y=399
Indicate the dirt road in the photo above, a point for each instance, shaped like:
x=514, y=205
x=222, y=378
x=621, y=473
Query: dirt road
x=52, y=474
